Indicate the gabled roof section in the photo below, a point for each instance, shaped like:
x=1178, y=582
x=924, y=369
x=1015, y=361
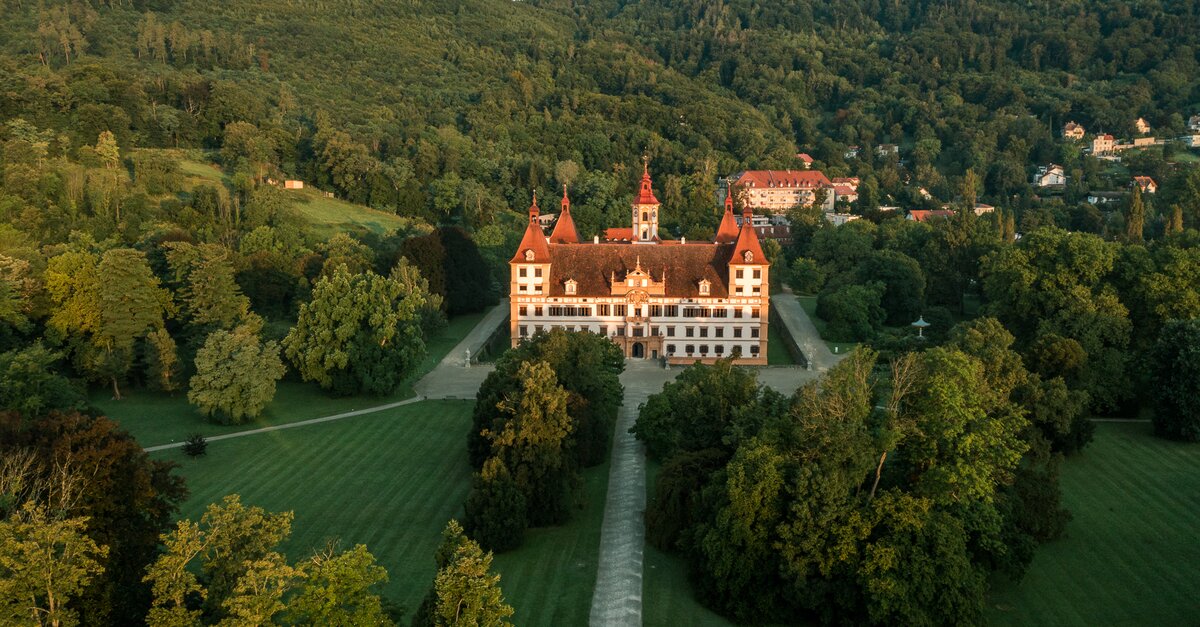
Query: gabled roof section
x=680, y=267
x=727, y=233
x=533, y=248
x=747, y=250
x=564, y=230
x=803, y=179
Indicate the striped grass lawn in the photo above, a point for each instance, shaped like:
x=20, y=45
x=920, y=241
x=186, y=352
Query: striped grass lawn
x=667, y=597
x=1131, y=555
x=391, y=480
x=155, y=418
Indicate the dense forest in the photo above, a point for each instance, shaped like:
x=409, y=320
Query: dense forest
x=146, y=244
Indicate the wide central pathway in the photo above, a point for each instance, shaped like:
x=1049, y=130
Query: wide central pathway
x=617, y=599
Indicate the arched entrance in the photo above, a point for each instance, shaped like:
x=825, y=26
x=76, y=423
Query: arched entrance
x=639, y=350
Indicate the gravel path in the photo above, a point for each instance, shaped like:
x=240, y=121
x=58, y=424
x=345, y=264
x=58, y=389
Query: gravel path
x=617, y=599
x=803, y=330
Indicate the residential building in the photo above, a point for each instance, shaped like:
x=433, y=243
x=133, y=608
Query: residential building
x=806, y=161
x=838, y=219
x=1146, y=183
x=884, y=150
x=1103, y=144
x=1191, y=141
x=1105, y=198
x=1194, y=123
x=683, y=301
x=926, y=215
x=1050, y=176
x=1141, y=125
x=776, y=191
x=852, y=152
x=1072, y=130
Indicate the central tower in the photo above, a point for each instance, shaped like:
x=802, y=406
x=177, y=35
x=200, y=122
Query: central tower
x=645, y=209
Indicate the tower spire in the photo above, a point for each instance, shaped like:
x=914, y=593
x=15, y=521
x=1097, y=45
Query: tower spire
x=533, y=208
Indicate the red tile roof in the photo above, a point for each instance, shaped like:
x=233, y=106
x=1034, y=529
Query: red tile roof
x=727, y=233
x=805, y=179
x=803, y=156
x=619, y=234
x=646, y=192
x=747, y=242
x=564, y=230
x=685, y=265
x=924, y=215
x=534, y=239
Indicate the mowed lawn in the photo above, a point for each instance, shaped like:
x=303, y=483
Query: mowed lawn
x=389, y=480
x=155, y=418
x=667, y=597
x=1131, y=555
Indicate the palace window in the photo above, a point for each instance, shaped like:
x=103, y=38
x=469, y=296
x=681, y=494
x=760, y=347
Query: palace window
x=737, y=312
x=604, y=310
x=524, y=310
x=537, y=328
x=737, y=331
x=656, y=310
x=691, y=331
x=720, y=312
x=637, y=331
x=703, y=349
x=719, y=332
x=754, y=312
x=604, y=330
x=537, y=272
x=670, y=349
x=705, y=287
x=703, y=331
x=673, y=311
x=758, y=274
x=570, y=286
x=753, y=331
x=654, y=331
x=719, y=349
x=524, y=331
x=522, y=272
x=520, y=288
x=739, y=273
x=670, y=331
x=621, y=331
x=754, y=350
x=619, y=310
x=691, y=348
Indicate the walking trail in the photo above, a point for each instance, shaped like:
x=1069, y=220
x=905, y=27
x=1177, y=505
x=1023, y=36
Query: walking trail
x=450, y=379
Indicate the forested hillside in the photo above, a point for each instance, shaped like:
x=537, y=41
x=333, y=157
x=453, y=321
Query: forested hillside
x=458, y=109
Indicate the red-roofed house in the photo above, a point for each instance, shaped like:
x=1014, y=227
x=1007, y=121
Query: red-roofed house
x=926, y=215
x=681, y=301
x=776, y=191
x=1103, y=144
x=805, y=159
x=1146, y=183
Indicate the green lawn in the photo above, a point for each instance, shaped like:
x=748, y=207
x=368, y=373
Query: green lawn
x=1130, y=554
x=809, y=304
x=777, y=352
x=334, y=216
x=155, y=418
x=550, y=579
x=667, y=597
x=389, y=480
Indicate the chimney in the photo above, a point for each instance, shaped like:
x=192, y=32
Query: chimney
x=595, y=239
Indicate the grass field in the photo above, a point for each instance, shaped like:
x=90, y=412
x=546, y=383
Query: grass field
x=155, y=418
x=328, y=215
x=809, y=304
x=549, y=581
x=389, y=480
x=1130, y=554
x=667, y=597
x=777, y=352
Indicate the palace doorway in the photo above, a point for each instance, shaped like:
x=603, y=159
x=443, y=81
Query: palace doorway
x=638, y=351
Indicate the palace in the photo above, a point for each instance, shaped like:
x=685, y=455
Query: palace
x=679, y=300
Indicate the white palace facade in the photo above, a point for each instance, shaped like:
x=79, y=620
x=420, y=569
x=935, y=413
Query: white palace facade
x=683, y=301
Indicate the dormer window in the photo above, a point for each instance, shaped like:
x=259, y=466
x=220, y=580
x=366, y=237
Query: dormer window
x=529, y=255
x=570, y=286
x=705, y=287
x=748, y=256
